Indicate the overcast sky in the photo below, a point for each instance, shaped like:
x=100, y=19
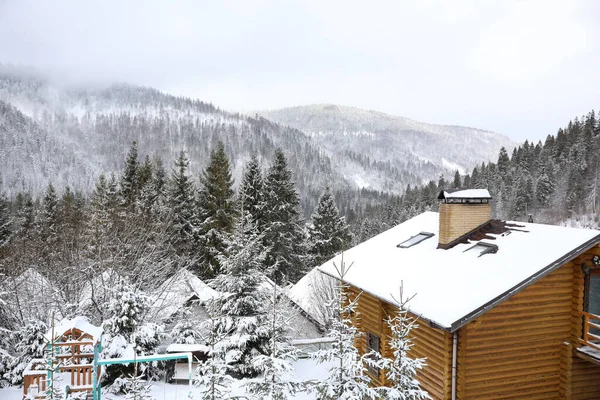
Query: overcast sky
x=521, y=68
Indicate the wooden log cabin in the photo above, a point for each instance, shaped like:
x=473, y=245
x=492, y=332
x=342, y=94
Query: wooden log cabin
x=507, y=310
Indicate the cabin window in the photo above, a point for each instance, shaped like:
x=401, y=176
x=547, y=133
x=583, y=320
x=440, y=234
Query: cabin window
x=415, y=240
x=482, y=248
x=592, y=296
x=373, y=344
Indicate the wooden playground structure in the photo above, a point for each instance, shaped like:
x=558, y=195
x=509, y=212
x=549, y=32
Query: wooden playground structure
x=73, y=344
x=77, y=345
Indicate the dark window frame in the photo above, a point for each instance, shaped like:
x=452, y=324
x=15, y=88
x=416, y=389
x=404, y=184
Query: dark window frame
x=588, y=273
x=490, y=248
x=427, y=235
x=370, y=337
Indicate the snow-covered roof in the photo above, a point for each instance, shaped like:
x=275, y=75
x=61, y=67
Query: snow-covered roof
x=40, y=293
x=176, y=291
x=80, y=323
x=453, y=286
x=311, y=292
x=466, y=194
x=100, y=286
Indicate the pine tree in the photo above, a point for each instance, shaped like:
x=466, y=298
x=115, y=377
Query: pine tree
x=251, y=193
x=216, y=209
x=401, y=370
x=329, y=233
x=181, y=202
x=243, y=310
x=6, y=227
x=30, y=343
x=126, y=310
x=185, y=332
x=25, y=214
x=276, y=381
x=347, y=377
x=456, y=184
x=129, y=183
x=284, y=233
x=50, y=216
x=147, y=195
x=212, y=376
x=137, y=387
x=544, y=189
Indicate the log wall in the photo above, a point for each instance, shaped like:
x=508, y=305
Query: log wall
x=526, y=347
x=580, y=378
x=433, y=344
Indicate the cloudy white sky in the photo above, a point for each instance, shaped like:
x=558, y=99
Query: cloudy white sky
x=521, y=68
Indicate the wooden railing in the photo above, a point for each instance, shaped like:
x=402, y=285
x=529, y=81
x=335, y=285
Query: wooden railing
x=591, y=330
x=34, y=380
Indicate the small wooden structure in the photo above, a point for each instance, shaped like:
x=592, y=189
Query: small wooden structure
x=199, y=353
x=519, y=322
x=73, y=343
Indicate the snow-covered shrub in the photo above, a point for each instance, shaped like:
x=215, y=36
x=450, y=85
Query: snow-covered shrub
x=5, y=361
x=125, y=334
x=136, y=387
x=185, y=332
x=29, y=343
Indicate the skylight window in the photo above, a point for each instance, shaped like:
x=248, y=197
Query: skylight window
x=482, y=248
x=415, y=240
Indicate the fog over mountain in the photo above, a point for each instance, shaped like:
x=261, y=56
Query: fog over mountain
x=427, y=150
x=68, y=134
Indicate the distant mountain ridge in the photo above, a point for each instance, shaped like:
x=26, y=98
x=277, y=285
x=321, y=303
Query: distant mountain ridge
x=401, y=140
x=68, y=135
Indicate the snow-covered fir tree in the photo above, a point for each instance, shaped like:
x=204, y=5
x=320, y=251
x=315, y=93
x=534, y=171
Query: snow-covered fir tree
x=276, y=381
x=216, y=208
x=212, y=376
x=138, y=388
x=329, y=234
x=252, y=193
x=243, y=309
x=6, y=223
x=283, y=232
x=401, y=370
x=30, y=343
x=185, y=332
x=181, y=202
x=129, y=184
x=50, y=217
x=347, y=377
x=125, y=334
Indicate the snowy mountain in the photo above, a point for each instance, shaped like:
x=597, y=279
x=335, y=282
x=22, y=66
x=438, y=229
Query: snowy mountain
x=68, y=134
x=423, y=149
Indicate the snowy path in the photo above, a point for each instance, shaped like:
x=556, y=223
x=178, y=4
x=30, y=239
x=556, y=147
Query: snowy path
x=305, y=369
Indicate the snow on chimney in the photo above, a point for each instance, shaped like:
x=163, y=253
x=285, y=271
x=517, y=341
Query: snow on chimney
x=462, y=212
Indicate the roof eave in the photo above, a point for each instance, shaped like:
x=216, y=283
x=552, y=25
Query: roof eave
x=524, y=284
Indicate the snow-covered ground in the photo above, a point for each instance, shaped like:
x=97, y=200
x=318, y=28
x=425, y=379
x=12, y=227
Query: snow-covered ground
x=304, y=369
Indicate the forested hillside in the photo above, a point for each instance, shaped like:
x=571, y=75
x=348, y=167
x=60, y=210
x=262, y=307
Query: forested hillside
x=67, y=135
x=391, y=143
x=556, y=181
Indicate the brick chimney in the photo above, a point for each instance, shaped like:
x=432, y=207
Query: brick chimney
x=462, y=212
